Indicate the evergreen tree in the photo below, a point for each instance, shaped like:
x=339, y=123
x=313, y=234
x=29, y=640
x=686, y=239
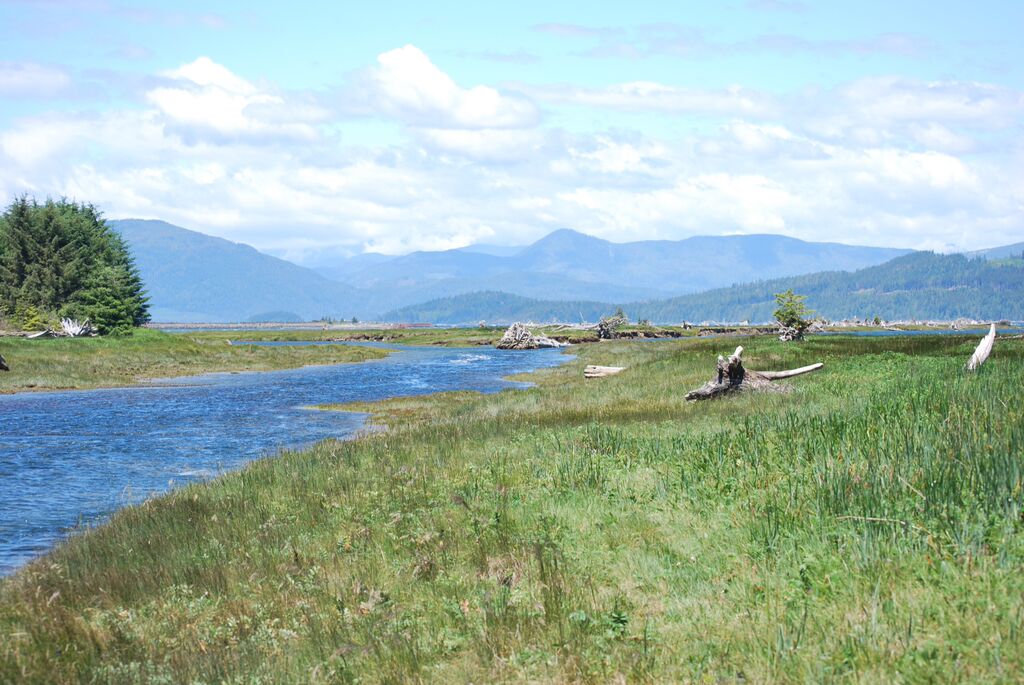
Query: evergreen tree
x=62, y=259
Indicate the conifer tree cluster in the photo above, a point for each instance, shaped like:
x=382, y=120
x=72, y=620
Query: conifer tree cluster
x=59, y=258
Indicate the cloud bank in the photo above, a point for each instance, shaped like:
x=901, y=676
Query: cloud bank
x=885, y=160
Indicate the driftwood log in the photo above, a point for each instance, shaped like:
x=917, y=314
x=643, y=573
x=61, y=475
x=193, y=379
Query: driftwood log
x=594, y=371
x=48, y=333
x=983, y=350
x=732, y=377
x=3, y=364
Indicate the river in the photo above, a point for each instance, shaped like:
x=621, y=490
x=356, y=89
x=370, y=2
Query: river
x=69, y=459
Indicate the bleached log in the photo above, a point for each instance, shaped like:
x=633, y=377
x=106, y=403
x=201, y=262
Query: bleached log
x=594, y=371
x=732, y=377
x=983, y=350
x=779, y=375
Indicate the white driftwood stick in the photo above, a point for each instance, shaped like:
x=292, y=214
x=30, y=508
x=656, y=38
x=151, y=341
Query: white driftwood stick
x=984, y=349
x=593, y=371
x=779, y=375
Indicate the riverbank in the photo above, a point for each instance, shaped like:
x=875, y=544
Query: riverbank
x=81, y=363
x=865, y=527
x=444, y=337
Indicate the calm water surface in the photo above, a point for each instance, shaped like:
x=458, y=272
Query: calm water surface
x=71, y=458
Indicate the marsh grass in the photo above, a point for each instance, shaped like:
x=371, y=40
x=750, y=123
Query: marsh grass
x=864, y=528
x=114, y=361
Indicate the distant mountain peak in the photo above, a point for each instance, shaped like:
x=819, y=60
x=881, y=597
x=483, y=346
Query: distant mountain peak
x=563, y=235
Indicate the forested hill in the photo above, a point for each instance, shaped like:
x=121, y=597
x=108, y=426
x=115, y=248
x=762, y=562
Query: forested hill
x=497, y=308
x=921, y=285
x=190, y=276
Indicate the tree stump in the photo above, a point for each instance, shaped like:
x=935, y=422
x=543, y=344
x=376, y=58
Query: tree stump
x=607, y=327
x=732, y=377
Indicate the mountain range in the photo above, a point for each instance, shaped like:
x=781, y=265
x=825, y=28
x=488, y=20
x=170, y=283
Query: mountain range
x=573, y=265
x=566, y=275
x=191, y=276
x=921, y=285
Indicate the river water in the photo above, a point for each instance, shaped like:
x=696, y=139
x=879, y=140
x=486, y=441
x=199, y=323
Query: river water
x=69, y=459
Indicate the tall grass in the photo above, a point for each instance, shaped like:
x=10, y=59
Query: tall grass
x=864, y=528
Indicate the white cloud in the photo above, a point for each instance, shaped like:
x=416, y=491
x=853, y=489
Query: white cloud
x=203, y=148
x=484, y=145
x=205, y=98
x=27, y=79
x=749, y=203
x=894, y=99
x=657, y=97
x=406, y=85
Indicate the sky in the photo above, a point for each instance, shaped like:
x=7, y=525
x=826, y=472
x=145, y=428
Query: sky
x=314, y=130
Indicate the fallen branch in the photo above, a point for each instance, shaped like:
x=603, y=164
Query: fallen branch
x=593, y=371
x=732, y=377
x=983, y=350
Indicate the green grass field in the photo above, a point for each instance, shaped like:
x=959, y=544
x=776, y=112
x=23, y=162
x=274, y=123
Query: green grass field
x=865, y=528
x=67, y=363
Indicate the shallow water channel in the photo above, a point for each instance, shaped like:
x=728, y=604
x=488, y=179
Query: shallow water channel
x=71, y=458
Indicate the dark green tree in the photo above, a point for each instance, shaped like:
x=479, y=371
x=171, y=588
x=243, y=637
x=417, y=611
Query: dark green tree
x=62, y=259
x=792, y=313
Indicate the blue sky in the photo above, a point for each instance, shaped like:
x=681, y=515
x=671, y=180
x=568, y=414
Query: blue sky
x=304, y=127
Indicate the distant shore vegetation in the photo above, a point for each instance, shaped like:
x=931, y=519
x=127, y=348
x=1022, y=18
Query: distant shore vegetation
x=58, y=259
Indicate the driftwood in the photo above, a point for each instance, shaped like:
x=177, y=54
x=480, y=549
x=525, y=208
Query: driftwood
x=75, y=329
x=3, y=364
x=43, y=334
x=732, y=377
x=519, y=337
x=69, y=328
x=594, y=371
x=607, y=327
x=790, y=333
x=983, y=351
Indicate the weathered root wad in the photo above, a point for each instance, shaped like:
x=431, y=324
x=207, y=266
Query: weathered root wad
x=732, y=377
x=519, y=337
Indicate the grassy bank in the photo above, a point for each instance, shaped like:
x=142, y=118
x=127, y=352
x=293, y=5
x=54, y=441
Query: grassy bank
x=865, y=528
x=116, y=361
